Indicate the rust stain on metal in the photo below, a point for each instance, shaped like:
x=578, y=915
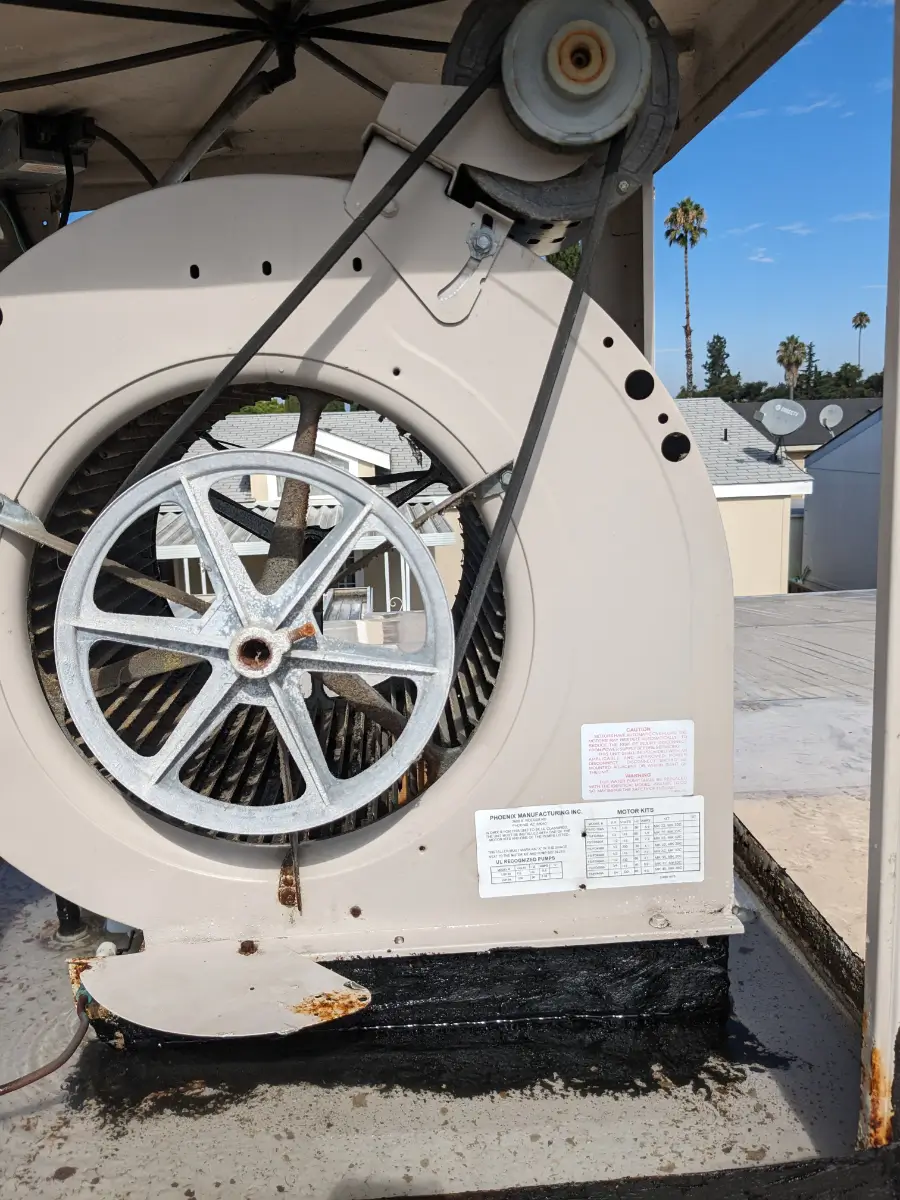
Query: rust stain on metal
x=307, y=630
x=247, y=947
x=287, y=884
x=96, y=1012
x=881, y=1112
x=329, y=1006
x=77, y=966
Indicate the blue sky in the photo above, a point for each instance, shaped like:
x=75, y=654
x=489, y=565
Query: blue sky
x=794, y=178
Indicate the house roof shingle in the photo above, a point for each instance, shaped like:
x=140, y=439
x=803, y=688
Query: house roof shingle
x=251, y=431
x=734, y=451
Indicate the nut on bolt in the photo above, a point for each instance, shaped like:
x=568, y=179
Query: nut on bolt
x=658, y=921
x=623, y=185
x=481, y=242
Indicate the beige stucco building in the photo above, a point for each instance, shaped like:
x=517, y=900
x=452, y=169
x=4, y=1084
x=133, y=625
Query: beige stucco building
x=754, y=491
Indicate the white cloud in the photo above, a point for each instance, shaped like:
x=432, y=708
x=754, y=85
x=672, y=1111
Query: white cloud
x=856, y=216
x=874, y=287
x=670, y=349
x=797, y=227
x=744, y=229
x=883, y=85
x=799, y=110
x=750, y=113
x=845, y=115
x=760, y=256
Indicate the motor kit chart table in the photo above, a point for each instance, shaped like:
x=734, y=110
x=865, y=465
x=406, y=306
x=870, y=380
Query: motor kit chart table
x=606, y=844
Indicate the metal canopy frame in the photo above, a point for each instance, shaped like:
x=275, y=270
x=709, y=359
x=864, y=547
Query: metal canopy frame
x=287, y=27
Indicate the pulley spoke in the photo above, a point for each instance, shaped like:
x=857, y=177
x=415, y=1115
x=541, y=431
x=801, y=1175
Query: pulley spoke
x=196, y=637
x=308, y=584
x=206, y=712
x=216, y=551
x=345, y=658
x=295, y=726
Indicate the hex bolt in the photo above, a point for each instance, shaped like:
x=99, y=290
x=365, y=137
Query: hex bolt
x=623, y=185
x=653, y=22
x=658, y=921
x=390, y=209
x=398, y=940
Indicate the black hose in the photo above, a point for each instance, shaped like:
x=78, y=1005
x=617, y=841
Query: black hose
x=313, y=277
x=111, y=140
x=42, y=1072
x=113, y=65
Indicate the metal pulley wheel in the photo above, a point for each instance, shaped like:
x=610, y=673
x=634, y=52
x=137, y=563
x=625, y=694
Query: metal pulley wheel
x=575, y=72
x=261, y=649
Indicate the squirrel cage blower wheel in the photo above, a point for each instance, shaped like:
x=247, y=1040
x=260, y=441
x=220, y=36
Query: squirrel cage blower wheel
x=302, y=827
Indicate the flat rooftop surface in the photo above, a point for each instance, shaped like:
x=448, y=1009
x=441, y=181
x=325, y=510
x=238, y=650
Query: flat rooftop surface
x=804, y=668
x=436, y=1111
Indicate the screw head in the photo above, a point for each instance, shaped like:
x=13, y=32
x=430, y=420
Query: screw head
x=653, y=22
x=623, y=185
x=398, y=940
x=658, y=921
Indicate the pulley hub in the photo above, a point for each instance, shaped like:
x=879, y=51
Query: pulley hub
x=575, y=72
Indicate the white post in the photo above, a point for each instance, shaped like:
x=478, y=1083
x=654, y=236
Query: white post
x=387, y=581
x=882, y=996
x=186, y=568
x=648, y=204
x=404, y=584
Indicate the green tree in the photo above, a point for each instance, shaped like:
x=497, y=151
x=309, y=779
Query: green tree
x=684, y=227
x=751, y=390
x=566, y=260
x=791, y=357
x=874, y=385
x=810, y=380
x=716, y=366
x=860, y=322
x=290, y=404
x=848, y=380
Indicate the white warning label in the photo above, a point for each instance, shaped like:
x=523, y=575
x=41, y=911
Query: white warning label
x=639, y=759
x=608, y=844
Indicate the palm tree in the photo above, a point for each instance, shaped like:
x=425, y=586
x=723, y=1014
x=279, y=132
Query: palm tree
x=791, y=356
x=860, y=322
x=685, y=227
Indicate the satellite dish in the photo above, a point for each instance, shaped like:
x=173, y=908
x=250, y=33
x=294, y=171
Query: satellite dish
x=781, y=417
x=831, y=416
